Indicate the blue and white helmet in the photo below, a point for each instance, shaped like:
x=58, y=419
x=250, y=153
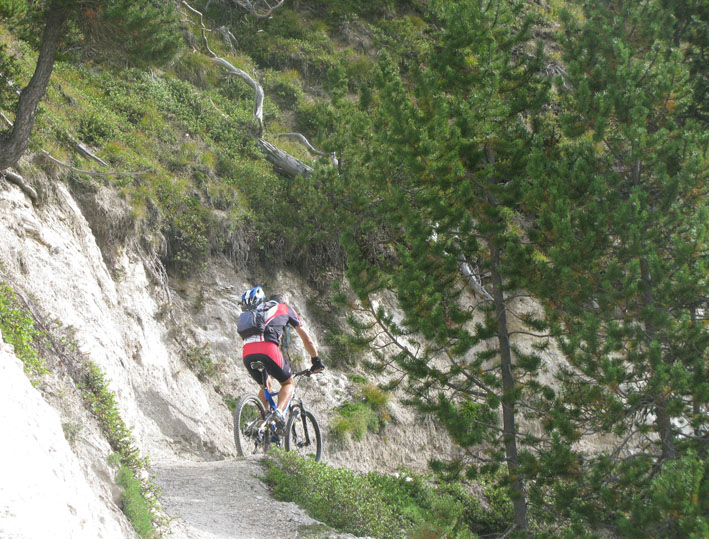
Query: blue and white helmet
x=252, y=297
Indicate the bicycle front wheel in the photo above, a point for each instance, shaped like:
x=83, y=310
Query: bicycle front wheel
x=248, y=416
x=303, y=434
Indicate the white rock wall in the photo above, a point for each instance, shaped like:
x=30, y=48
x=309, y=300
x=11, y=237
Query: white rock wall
x=43, y=489
x=51, y=253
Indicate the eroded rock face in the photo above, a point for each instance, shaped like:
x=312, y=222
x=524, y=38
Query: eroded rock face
x=44, y=491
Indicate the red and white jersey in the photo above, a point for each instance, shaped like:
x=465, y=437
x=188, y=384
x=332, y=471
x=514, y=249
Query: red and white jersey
x=276, y=318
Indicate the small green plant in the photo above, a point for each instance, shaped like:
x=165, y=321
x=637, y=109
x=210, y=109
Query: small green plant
x=18, y=329
x=200, y=361
x=357, y=378
x=96, y=128
x=139, y=500
x=375, y=397
x=71, y=432
x=134, y=503
x=231, y=402
x=102, y=403
x=367, y=413
x=354, y=418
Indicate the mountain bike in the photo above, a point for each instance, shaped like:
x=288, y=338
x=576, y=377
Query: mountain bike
x=256, y=430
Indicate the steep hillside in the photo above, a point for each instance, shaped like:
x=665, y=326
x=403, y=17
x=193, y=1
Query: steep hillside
x=494, y=212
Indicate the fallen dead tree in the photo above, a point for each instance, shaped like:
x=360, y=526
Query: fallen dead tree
x=282, y=161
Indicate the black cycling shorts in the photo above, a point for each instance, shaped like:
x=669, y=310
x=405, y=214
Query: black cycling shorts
x=271, y=357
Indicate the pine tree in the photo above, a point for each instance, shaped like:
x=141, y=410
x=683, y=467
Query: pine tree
x=621, y=202
x=440, y=181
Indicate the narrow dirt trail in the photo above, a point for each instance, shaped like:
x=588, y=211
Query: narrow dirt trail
x=227, y=500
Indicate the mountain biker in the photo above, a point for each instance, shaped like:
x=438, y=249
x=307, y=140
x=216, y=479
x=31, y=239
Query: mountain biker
x=264, y=347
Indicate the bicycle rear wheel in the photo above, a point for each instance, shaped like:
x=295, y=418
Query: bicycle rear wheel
x=303, y=434
x=249, y=414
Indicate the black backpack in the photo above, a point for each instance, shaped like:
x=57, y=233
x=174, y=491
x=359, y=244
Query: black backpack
x=252, y=322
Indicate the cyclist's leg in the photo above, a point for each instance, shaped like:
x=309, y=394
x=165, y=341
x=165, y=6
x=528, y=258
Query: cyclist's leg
x=258, y=376
x=285, y=394
x=279, y=369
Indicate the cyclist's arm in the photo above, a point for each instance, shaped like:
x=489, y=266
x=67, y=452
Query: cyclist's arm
x=307, y=341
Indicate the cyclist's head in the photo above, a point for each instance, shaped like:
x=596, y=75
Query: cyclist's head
x=252, y=297
x=278, y=298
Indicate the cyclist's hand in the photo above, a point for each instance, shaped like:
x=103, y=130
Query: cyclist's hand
x=317, y=365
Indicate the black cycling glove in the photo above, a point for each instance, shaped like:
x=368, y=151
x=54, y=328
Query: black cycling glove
x=317, y=365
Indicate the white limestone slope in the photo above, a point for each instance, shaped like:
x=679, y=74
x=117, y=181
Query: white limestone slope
x=43, y=489
x=51, y=254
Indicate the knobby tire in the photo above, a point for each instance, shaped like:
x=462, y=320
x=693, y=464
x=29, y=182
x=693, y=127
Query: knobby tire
x=303, y=435
x=248, y=409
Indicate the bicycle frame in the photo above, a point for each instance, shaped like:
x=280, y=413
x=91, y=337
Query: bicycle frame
x=269, y=396
x=271, y=402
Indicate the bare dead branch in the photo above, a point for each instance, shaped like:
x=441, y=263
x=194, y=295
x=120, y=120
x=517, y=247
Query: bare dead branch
x=94, y=173
x=472, y=278
x=284, y=162
x=6, y=120
x=311, y=149
x=86, y=153
x=258, y=91
x=13, y=177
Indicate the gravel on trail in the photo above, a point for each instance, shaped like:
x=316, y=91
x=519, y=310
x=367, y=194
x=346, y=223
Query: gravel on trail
x=227, y=500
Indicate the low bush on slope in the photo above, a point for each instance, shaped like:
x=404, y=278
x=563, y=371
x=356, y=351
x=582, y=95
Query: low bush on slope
x=380, y=505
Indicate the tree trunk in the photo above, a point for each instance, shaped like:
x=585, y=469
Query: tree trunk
x=12, y=146
x=284, y=162
x=509, y=429
x=508, y=385
x=662, y=418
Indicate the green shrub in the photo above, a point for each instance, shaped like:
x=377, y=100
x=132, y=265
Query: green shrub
x=134, y=504
x=197, y=69
x=10, y=68
x=17, y=326
x=96, y=128
x=368, y=413
x=377, y=505
x=375, y=397
x=139, y=500
x=284, y=88
x=354, y=418
x=676, y=503
x=185, y=228
x=200, y=361
x=102, y=403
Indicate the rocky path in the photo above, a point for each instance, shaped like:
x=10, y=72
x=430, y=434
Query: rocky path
x=227, y=500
